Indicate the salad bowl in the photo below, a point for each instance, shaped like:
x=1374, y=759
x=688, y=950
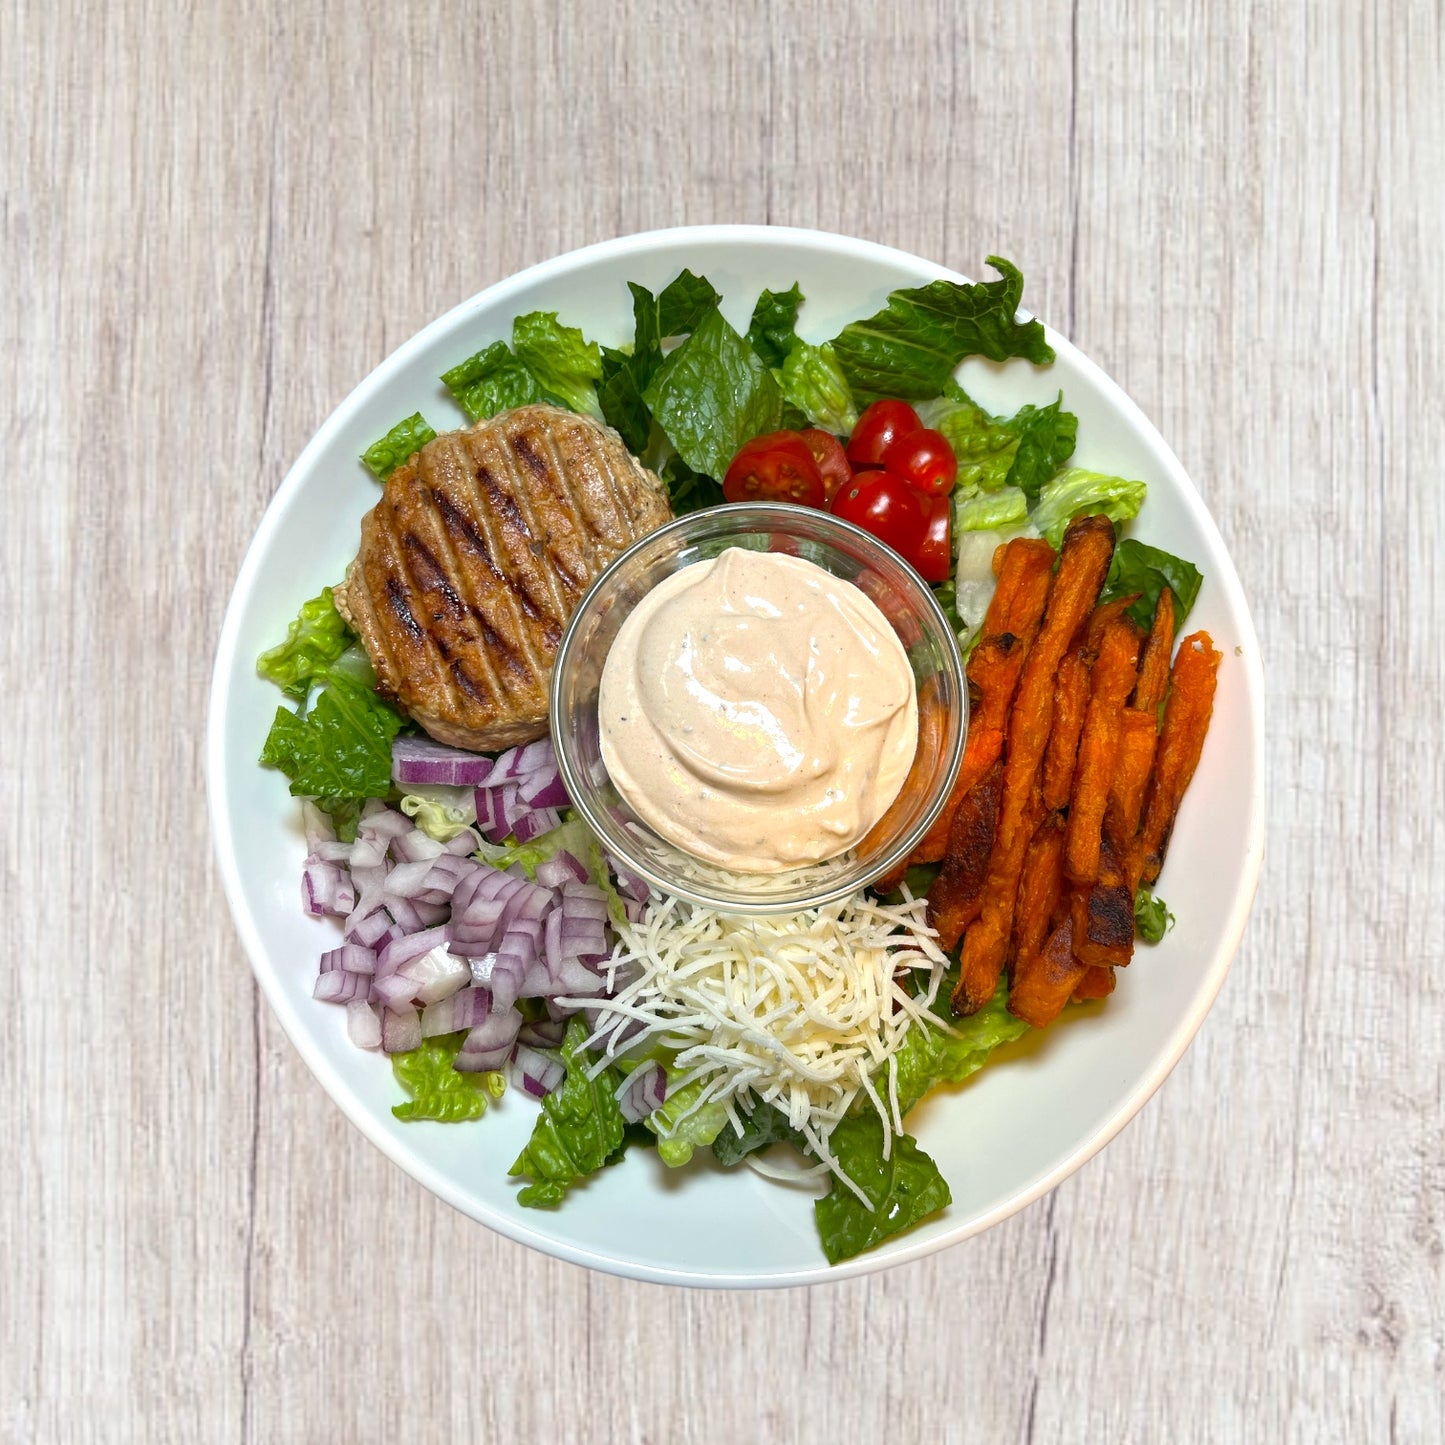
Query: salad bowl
x=1041, y=1108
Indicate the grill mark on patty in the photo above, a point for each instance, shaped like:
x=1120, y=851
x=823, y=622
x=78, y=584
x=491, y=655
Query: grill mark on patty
x=429, y=575
x=401, y=608
x=459, y=525
x=505, y=506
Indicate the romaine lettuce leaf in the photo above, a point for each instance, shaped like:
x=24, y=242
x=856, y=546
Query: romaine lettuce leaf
x=681, y=1126
x=1146, y=570
x=566, y=365
x=813, y=382
x=405, y=439
x=682, y=304
x=1046, y=441
x=989, y=511
x=902, y=1189
x=441, y=812
x=340, y=748
x=712, y=394
x=687, y=490
x=492, y=381
x=1076, y=492
x=579, y=1129
x=437, y=1090
x=910, y=348
x=773, y=329
x=314, y=641
x=1152, y=918
x=984, y=446
x=765, y=1126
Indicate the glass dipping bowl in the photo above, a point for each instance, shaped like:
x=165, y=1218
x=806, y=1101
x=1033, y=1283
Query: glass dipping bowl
x=846, y=551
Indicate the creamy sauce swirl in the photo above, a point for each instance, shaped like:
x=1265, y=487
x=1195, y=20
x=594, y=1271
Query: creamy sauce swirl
x=758, y=712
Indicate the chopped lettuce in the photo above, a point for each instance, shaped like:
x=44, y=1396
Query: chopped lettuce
x=1152, y=918
x=400, y=444
x=813, y=382
x=314, y=641
x=683, y=303
x=1046, y=441
x=492, y=381
x=682, y=1126
x=773, y=329
x=933, y=1056
x=687, y=490
x=989, y=511
x=437, y=1090
x=441, y=812
x=1146, y=570
x=984, y=446
x=579, y=1130
x=1076, y=492
x=765, y=1126
x=910, y=348
x=340, y=748
x=712, y=394
x=566, y=365
x=572, y=836
x=902, y=1189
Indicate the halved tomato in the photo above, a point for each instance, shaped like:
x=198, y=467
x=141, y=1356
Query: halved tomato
x=832, y=462
x=880, y=425
x=777, y=467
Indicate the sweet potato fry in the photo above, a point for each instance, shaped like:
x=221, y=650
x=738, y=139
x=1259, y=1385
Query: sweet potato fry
x=953, y=900
x=1103, y=913
x=1009, y=628
x=1083, y=565
x=1040, y=885
x=1071, y=700
x=1101, y=617
x=1135, y=756
x=1110, y=683
x=1040, y=991
x=1181, y=740
x=1155, y=655
x=1097, y=982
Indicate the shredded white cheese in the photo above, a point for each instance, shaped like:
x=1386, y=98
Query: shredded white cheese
x=799, y=1011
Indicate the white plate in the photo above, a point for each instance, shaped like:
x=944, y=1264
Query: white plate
x=1022, y=1124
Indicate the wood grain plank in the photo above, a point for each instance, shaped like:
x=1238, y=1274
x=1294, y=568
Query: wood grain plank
x=215, y=221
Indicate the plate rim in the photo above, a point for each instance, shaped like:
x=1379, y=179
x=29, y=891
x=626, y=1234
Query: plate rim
x=283, y=1003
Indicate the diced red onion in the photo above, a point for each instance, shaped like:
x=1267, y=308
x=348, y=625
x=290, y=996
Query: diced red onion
x=529, y=825
x=338, y=986
x=633, y=910
x=536, y=1073
x=363, y=1024
x=329, y=850
x=646, y=1090
x=436, y=974
x=489, y=1045
x=405, y=912
x=629, y=884
x=543, y=1034
x=351, y=957
x=400, y=1030
x=543, y=789
x=394, y=990
x=386, y=823
x=416, y=759
x=464, y=1009
x=317, y=827
x=406, y=880
x=409, y=946
x=372, y=930
x=556, y=870
x=464, y=844
x=318, y=888
x=414, y=846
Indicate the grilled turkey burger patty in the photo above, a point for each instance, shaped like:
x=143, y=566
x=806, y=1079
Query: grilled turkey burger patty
x=475, y=557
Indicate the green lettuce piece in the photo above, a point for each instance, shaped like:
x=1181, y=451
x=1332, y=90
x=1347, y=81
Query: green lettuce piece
x=1152, y=918
x=437, y=1090
x=620, y=398
x=1076, y=492
x=579, y=1129
x=441, y=812
x=492, y=381
x=911, y=347
x=765, y=1126
x=1046, y=441
x=984, y=446
x=681, y=1126
x=314, y=641
x=712, y=394
x=566, y=365
x=989, y=511
x=813, y=382
x=687, y=490
x=340, y=748
x=400, y=444
x=773, y=329
x=683, y=303
x=931, y=1056
x=902, y=1189
x=1146, y=570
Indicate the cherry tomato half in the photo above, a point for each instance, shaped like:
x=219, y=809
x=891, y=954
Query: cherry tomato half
x=880, y=425
x=887, y=507
x=925, y=458
x=933, y=556
x=777, y=467
x=832, y=462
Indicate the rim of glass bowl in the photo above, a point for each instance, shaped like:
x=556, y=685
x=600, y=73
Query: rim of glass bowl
x=616, y=839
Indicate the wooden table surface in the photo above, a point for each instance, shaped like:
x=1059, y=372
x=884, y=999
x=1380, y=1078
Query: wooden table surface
x=217, y=218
